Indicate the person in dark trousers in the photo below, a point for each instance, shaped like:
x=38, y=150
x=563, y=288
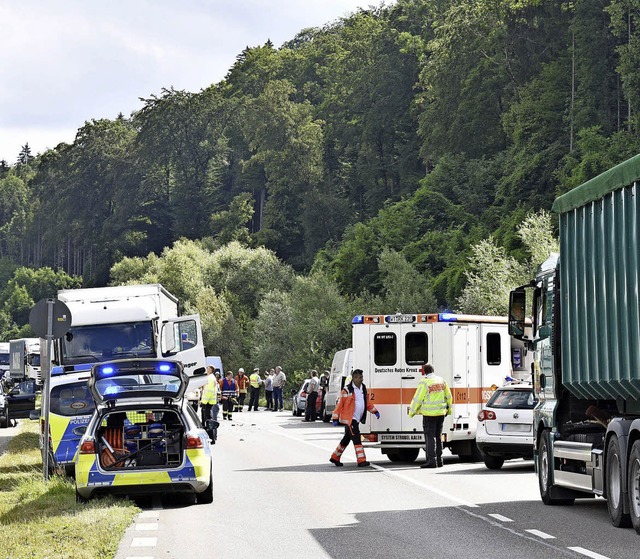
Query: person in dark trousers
x=312, y=397
x=254, y=387
x=433, y=401
x=229, y=394
x=351, y=411
x=268, y=388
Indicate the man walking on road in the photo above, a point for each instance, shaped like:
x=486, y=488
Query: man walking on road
x=312, y=397
x=351, y=411
x=278, y=384
x=433, y=401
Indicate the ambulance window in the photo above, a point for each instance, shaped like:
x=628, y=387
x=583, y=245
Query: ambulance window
x=416, y=345
x=384, y=349
x=494, y=351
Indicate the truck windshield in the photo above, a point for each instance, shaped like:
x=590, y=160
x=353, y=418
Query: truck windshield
x=34, y=359
x=104, y=342
x=4, y=358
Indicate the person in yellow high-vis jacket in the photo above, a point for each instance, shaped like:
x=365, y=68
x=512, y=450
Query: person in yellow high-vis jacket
x=433, y=401
x=209, y=399
x=254, y=386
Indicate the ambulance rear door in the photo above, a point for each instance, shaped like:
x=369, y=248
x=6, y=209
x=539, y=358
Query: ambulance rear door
x=414, y=350
x=466, y=377
x=496, y=358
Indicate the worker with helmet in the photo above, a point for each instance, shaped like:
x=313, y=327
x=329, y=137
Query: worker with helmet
x=242, y=383
x=433, y=401
x=350, y=411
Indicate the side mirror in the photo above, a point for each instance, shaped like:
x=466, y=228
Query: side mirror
x=517, y=309
x=34, y=415
x=293, y=391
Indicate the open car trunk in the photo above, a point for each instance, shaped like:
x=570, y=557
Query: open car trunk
x=146, y=439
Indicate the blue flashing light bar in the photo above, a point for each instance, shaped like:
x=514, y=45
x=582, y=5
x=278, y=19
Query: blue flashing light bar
x=447, y=317
x=108, y=370
x=164, y=368
x=358, y=319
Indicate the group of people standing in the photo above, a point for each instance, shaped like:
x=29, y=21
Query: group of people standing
x=230, y=393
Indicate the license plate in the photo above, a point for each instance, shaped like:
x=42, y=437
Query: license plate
x=401, y=437
x=516, y=427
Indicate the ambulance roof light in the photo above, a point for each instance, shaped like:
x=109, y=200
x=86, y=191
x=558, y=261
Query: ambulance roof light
x=447, y=317
x=358, y=319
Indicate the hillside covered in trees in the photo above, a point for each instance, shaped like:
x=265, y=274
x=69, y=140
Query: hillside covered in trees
x=362, y=161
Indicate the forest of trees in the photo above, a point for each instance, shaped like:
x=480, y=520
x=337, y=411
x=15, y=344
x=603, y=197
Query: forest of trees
x=369, y=164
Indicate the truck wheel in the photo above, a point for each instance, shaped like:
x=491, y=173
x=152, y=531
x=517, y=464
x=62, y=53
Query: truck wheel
x=493, y=462
x=4, y=422
x=393, y=456
x=613, y=481
x=545, y=472
x=634, y=486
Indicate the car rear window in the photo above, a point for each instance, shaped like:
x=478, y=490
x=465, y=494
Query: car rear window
x=516, y=399
x=71, y=399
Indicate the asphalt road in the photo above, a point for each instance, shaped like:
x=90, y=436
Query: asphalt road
x=277, y=496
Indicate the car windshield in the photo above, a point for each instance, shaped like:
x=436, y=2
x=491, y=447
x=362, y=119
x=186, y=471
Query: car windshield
x=4, y=358
x=516, y=399
x=105, y=342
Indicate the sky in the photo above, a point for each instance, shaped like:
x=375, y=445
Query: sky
x=64, y=62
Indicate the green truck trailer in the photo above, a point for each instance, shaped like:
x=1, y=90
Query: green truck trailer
x=586, y=341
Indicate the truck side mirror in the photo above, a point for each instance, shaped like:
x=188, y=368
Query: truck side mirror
x=517, y=309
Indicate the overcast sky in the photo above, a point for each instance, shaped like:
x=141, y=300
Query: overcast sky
x=63, y=62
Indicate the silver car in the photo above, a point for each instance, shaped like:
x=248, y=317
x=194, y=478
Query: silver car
x=505, y=425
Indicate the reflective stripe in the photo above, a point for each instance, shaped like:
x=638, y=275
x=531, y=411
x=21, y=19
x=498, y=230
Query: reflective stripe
x=432, y=397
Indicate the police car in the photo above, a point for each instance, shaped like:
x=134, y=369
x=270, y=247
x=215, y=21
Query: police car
x=143, y=436
x=505, y=425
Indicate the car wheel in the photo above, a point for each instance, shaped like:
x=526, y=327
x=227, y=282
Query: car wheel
x=613, y=481
x=80, y=499
x=4, y=422
x=633, y=486
x=545, y=471
x=206, y=496
x=493, y=462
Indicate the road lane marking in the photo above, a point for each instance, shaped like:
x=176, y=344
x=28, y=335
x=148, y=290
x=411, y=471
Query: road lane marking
x=542, y=535
x=588, y=553
x=148, y=526
x=500, y=518
x=148, y=514
x=144, y=542
x=391, y=473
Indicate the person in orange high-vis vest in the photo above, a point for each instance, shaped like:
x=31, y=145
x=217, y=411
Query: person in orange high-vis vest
x=351, y=411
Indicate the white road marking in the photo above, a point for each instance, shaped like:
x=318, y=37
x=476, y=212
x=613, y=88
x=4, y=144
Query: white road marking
x=148, y=514
x=500, y=518
x=144, y=542
x=391, y=473
x=542, y=535
x=147, y=526
x=588, y=553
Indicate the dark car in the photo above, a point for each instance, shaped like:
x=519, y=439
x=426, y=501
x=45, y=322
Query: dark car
x=17, y=400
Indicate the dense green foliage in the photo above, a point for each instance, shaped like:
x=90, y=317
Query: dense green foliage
x=380, y=160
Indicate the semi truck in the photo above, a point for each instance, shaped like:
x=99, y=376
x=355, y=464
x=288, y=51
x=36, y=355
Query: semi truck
x=127, y=321
x=474, y=354
x=586, y=345
x=25, y=359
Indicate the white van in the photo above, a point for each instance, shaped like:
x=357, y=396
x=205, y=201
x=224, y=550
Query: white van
x=341, y=368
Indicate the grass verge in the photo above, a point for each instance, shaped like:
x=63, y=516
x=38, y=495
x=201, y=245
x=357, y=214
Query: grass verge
x=41, y=520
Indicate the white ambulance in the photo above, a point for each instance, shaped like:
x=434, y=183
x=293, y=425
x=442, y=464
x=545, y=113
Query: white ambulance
x=474, y=354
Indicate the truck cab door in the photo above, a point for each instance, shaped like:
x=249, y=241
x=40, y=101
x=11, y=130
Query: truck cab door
x=181, y=339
